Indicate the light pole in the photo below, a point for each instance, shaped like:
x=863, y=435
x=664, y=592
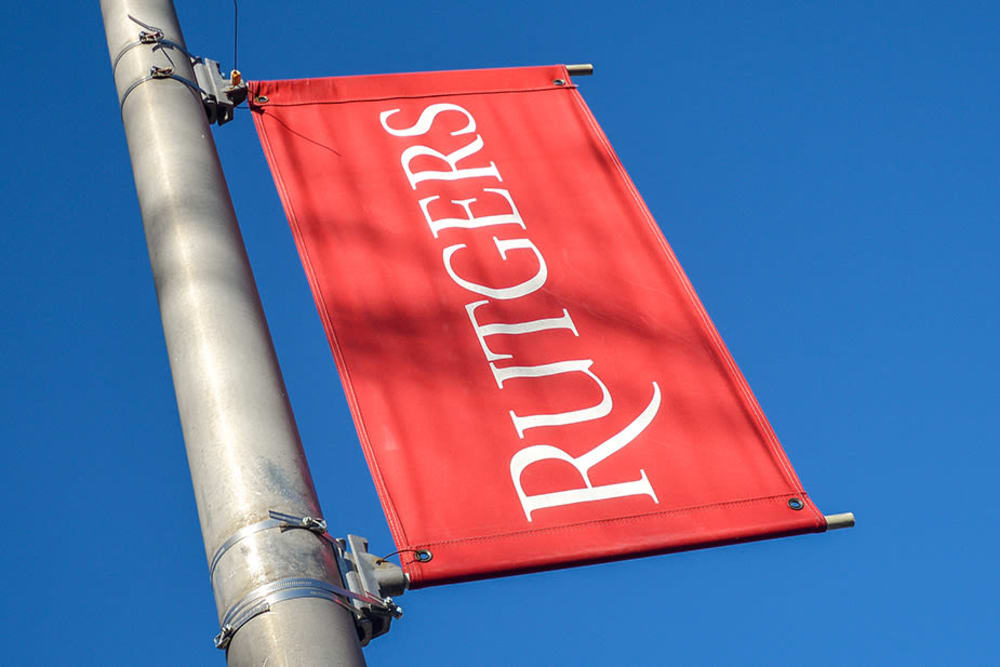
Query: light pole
x=242, y=444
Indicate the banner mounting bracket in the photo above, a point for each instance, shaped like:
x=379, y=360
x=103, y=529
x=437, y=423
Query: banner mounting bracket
x=370, y=577
x=219, y=95
x=368, y=581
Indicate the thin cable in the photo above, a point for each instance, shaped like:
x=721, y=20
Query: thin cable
x=423, y=555
x=236, y=33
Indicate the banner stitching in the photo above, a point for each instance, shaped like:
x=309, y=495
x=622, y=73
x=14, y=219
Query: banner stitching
x=418, y=97
x=611, y=520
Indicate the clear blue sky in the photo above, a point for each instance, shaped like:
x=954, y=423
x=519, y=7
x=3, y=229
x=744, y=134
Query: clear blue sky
x=828, y=174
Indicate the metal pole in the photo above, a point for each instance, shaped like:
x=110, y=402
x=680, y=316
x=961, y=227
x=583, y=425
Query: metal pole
x=242, y=443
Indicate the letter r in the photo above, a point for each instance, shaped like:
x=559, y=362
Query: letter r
x=536, y=453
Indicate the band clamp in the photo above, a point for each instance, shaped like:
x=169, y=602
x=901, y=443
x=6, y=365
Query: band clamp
x=219, y=96
x=276, y=520
x=261, y=599
x=161, y=73
x=369, y=580
x=155, y=38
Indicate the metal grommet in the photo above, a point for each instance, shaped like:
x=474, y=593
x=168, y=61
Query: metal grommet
x=559, y=82
x=423, y=555
x=261, y=99
x=796, y=503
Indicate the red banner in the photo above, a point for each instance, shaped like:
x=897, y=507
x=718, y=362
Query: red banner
x=533, y=379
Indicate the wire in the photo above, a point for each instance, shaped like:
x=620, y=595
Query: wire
x=423, y=555
x=236, y=33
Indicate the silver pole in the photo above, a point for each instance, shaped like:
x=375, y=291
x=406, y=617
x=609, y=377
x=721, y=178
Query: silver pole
x=242, y=443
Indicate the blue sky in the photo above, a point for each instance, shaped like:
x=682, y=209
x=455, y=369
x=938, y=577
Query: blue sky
x=826, y=173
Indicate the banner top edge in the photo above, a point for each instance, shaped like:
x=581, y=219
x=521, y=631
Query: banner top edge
x=369, y=87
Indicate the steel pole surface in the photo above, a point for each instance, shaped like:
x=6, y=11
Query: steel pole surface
x=242, y=443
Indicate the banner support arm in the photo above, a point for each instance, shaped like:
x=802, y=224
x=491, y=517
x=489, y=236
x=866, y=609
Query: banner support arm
x=843, y=520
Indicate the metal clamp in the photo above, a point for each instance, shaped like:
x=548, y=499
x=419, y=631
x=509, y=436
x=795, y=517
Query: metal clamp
x=155, y=38
x=160, y=73
x=370, y=581
x=261, y=599
x=276, y=520
x=220, y=96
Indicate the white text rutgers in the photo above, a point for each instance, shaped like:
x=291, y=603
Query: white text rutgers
x=460, y=164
